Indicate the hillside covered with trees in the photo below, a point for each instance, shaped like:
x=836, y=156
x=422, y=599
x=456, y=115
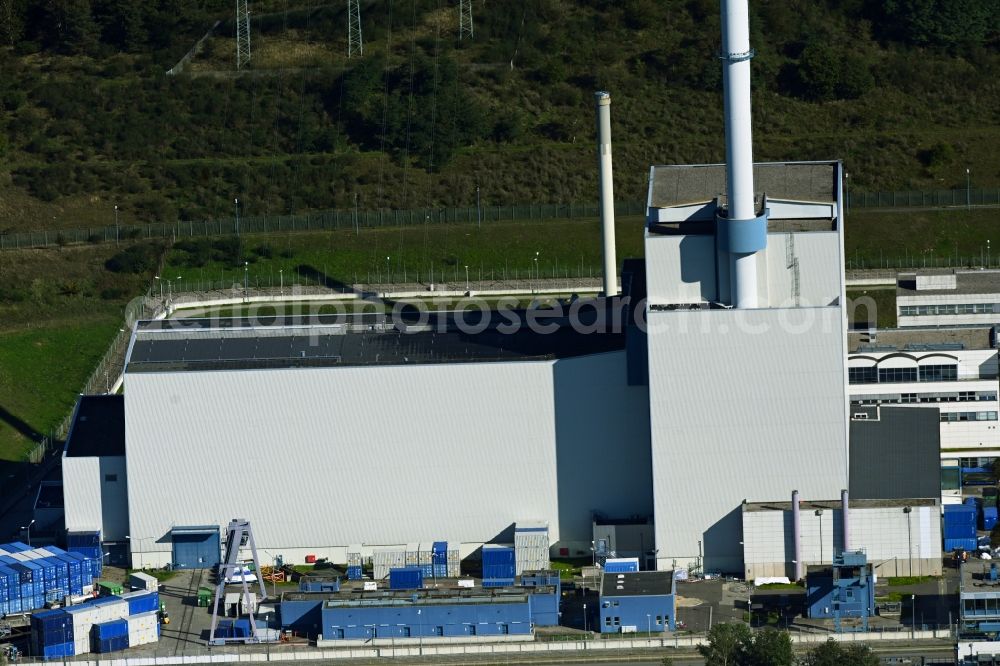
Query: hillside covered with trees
x=905, y=91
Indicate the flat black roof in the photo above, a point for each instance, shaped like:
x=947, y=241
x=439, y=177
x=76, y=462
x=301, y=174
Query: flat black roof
x=642, y=583
x=307, y=342
x=98, y=427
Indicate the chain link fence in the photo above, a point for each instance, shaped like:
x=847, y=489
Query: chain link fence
x=372, y=219
x=317, y=221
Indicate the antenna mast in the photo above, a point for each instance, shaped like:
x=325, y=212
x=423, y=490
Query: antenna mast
x=465, y=19
x=242, y=33
x=355, y=45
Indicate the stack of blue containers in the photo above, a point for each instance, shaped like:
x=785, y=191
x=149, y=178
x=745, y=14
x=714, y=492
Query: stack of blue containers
x=960, y=526
x=498, y=566
x=31, y=577
x=439, y=559
x=233, y=628
x=52, y=634
x=87, y=544
x=109, y=636
x=52, y=631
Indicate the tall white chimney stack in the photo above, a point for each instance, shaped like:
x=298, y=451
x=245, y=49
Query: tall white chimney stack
x=741, y=231
x=603, y=103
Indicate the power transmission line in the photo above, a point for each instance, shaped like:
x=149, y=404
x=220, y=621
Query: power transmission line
x=242, y=33
x=355, y=45
x=465, y=19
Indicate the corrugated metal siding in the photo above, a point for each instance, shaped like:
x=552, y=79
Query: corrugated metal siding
x=741, y=416
x=456, y=416
x=82, y=494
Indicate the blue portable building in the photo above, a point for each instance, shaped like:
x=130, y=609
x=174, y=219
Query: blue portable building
x=638, y=601
x=476, y=614
x=319, y=584
x=406, y=578
x=621, y=565
x=354, y=572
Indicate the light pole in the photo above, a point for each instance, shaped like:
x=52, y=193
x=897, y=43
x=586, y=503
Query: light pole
x=968, y=188
x=157, y=277
x=649, y=630
x=479, y=210
x=913, y=616
x=117, y=235
x=909, y=539
x=585, y=618
x=246, y=278
x=819, y=514
x=236, y=204
x=466, y=278
x=987, y=253
x=847, y=197
x=536, y=269
x=281, y=276
x=593, y=554
x=387, y=280
x=420, y=633
x=28, y=528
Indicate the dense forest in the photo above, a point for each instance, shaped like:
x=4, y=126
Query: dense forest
x=905, y=91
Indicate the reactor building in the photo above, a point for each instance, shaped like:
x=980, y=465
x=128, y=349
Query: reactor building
x=725, y=385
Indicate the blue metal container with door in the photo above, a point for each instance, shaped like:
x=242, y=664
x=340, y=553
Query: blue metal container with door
x=498, y=565
x=354, y=572
x=406, y=578
x=439, y=552
x=196, y=547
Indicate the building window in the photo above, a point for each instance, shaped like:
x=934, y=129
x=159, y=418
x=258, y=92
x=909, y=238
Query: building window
x=948, y=309
x=908, y=398
x=908, y=311
x=607, y=621
x=938, y=373
x=110, y=478
x=862, y=375
x=951, y=417
x=659, y=619
x=896, y=375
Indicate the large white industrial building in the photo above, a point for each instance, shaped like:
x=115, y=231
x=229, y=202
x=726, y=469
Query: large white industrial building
x=731, y=389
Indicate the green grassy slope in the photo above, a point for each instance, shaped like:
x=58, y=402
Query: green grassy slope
x=423, y=119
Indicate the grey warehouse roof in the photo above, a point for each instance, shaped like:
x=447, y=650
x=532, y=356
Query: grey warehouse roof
x=98, y=427
x=967, y=282
x=800, y=181
x=642, y=583
x=283, y=345
x=920, y=339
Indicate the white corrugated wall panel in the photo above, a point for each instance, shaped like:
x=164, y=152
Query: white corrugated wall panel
x=744, y=404
x=82, y=493
x=461, y=449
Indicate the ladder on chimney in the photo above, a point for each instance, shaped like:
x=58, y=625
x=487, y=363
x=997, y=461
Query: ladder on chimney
x=792, y=263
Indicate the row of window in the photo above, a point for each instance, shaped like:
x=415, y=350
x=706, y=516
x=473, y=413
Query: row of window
x=968, y=416
x=925, y=373
x=616, y=620
x=954, y=309
x=912, y=398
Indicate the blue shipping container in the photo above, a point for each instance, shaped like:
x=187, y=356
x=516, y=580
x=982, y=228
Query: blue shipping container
x=966, y=544
x=112, y=629
x=439, y=552
x=959, y=531
x=354, y=572
x=498, y=563
x=142, y=601
x=106, y=645
x=58, y=651
x=440, y=570
x=427, y=570
x=84, y=539
x=406, y=578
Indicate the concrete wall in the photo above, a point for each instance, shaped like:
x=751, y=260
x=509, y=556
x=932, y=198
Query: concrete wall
x=743, y=404
x=320, y=458
x=895, y=542
x=93, y=501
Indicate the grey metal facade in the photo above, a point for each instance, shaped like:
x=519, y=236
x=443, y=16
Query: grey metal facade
x=320, y=458
x=895, y=452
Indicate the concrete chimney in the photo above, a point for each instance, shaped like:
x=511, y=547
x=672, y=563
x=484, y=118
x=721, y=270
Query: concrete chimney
x=603, y=104
x=796, y=535
x=740, y=232
x=846, y=523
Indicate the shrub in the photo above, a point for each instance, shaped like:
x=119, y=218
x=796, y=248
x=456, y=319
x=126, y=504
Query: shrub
x=136, y=259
